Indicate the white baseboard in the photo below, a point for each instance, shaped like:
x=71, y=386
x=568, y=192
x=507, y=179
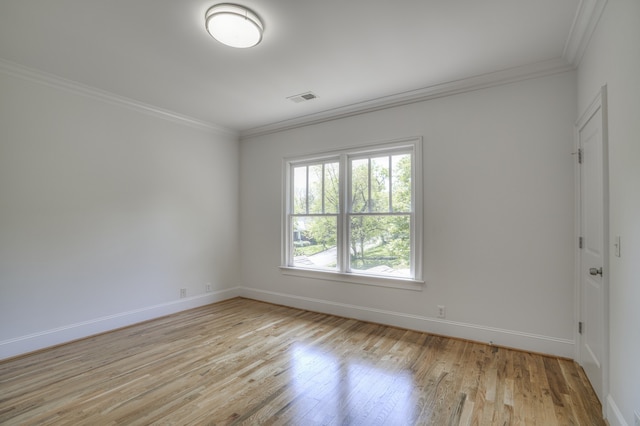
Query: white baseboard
x=614, y=416
x=501, y=337
x=47, y=338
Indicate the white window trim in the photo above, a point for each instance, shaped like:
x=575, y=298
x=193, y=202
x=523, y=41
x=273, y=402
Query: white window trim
x=415, y=283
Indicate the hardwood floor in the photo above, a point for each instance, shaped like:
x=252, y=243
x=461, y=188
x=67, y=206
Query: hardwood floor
x=247, y=362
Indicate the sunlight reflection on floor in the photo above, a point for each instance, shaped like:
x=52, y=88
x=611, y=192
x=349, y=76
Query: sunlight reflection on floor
x=336, y=388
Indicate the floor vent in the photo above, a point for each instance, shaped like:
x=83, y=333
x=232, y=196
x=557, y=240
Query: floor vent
x=302, y=97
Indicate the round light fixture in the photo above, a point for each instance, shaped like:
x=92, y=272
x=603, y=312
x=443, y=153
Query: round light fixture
x=233, y=25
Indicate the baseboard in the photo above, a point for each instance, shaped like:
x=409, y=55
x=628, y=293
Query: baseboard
x=500, y=337
x=33, y=342
x=614, y=416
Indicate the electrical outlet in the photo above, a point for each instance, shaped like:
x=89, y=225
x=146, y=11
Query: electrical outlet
x=441, y=311
x=207, y=287
x=183, y=293
x=616, y=250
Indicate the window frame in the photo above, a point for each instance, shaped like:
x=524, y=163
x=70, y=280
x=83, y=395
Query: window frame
x=343, y=272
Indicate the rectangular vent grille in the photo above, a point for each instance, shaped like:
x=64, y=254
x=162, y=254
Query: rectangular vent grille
x=302, y=97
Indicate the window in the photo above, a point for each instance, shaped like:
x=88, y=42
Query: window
x=355, y=213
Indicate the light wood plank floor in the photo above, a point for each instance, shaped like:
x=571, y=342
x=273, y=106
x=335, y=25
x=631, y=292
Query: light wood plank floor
x=247, y=362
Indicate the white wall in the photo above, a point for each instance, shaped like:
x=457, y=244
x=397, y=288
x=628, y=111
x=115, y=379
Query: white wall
x=613, y=58
x=105, y=213
x=499, y=218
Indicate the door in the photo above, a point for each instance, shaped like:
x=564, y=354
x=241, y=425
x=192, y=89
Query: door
x=593, y=264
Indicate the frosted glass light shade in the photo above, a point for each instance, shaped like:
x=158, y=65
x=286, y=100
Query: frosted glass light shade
x=233, y=25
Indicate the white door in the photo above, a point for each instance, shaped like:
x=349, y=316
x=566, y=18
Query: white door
x=594, y=253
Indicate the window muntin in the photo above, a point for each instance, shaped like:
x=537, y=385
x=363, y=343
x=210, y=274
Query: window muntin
x=353, y=212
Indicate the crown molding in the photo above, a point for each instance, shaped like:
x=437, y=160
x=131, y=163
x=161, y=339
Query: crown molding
x=478, y=82
x=20, y=71
x=584, y=24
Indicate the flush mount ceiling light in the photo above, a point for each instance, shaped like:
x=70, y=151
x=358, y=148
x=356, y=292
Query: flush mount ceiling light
x=233, y=25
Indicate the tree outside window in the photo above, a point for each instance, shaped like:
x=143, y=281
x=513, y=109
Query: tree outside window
x=353, y=212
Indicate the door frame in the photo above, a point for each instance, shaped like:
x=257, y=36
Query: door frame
x=598, y=103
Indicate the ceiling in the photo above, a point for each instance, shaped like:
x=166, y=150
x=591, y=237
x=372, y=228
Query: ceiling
x=348, y=52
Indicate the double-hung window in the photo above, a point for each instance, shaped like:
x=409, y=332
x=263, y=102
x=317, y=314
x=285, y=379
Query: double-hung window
x=356, y=214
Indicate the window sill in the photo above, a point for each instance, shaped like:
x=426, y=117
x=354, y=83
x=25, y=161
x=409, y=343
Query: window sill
x=391, y=282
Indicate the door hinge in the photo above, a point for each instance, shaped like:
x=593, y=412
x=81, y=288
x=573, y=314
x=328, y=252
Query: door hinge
x=580, y=156
x=580, y=242
x=580, y=327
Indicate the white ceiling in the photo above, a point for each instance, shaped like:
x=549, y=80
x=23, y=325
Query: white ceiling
x=346, y=51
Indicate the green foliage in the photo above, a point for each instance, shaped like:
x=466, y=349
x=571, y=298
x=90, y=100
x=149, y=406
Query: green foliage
x=390, y=179
x=323, y=230
x=380, y=184
x=380, y=240
x=309, y=250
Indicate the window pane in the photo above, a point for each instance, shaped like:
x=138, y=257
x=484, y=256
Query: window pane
x=380, y=245
x=314, y=242
x=360, y=185
x=374, y=225
x=315, y=188
x=300, y=190
x=380, y=184
x=331, y=187
x=401, y=182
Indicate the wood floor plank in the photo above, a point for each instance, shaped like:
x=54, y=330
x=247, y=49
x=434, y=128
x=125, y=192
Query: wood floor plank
x=243, y=362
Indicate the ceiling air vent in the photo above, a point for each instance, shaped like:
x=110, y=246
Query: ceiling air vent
x=302, y=97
